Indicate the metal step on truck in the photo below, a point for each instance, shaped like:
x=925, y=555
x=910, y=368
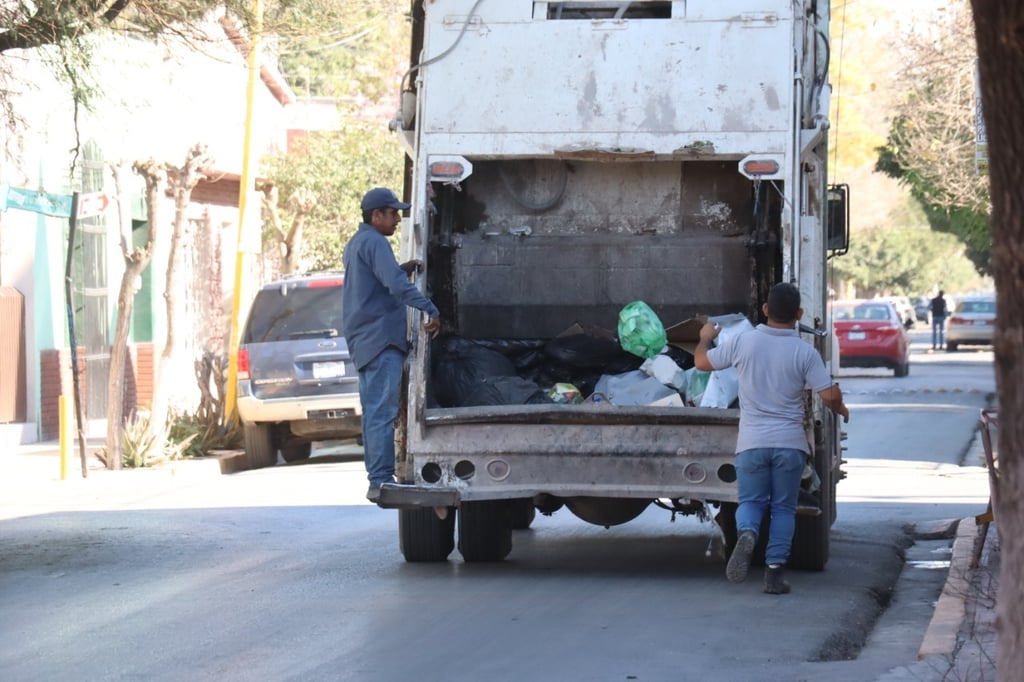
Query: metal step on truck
x=564, y=160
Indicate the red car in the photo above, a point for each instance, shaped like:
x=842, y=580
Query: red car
x=871, y=334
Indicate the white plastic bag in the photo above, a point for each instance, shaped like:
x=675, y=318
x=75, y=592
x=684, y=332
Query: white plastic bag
x=724, y=385
x=632, y=388
x=664, y=369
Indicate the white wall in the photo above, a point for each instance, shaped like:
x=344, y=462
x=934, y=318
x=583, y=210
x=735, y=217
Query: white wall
x=154, y=101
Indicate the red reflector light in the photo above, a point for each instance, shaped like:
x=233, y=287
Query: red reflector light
x=318, y=283
x=243, y=364
x=446, y=169
x=957, y=320
x=761, y=167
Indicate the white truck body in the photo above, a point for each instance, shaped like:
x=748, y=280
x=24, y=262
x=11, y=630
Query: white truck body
x=567, y=158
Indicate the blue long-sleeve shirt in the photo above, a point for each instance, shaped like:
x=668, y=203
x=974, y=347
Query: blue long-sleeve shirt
x=375, y=297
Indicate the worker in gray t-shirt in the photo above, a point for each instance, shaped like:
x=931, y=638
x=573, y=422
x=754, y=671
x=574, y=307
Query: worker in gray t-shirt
x=774, y=366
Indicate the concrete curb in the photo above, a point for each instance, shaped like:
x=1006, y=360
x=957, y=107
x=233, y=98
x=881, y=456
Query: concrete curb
x=215, y=462
x=940, y=638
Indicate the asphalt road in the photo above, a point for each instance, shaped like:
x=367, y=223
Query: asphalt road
x=288, y=574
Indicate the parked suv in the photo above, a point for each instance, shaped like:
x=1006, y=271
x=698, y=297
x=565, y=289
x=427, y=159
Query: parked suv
x=296, y=380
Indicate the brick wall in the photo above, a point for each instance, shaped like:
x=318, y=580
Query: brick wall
x=55, y=380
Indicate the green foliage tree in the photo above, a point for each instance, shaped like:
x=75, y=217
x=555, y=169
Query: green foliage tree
x=931, y=143
x=338, y=167
x=906, y=261
x=355, y=59
x=65, y=31
x=361, y=70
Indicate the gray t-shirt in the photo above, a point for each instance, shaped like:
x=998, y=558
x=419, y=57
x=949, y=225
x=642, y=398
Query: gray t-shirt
x=774, y=367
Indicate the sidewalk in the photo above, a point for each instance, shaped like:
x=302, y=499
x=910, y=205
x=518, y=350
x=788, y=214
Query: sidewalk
x=960, y=642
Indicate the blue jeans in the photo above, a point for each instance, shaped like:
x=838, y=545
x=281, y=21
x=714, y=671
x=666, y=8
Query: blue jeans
x=379, y=383
x=769, y=478
x=938, y=325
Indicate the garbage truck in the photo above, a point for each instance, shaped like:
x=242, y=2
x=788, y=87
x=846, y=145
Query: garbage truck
x=567, y=159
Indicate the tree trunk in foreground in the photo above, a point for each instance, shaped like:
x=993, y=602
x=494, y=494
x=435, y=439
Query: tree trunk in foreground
x=135, y=261
x=999, y=27
x=183, y=181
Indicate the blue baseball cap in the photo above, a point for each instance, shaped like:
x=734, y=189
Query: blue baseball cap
x=381, y=197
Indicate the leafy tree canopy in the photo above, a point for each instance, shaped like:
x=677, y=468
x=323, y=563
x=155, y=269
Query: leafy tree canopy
x=355, y=58
x=28, y=24
x=907, y=261
x=361, y=69
x=338, y=167
x=931, y=143
x=66, y=31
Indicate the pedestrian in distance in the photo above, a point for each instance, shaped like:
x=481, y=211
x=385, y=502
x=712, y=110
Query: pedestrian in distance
x=774, y=366
x=939, y=312
x=375, y=299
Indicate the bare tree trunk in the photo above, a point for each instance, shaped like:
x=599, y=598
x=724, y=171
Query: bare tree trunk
x=289, y=243
x=999, y=27
x=183, y=181
x=135, y=261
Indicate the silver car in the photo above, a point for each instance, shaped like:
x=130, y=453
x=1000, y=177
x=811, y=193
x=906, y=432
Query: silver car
x=972, y=322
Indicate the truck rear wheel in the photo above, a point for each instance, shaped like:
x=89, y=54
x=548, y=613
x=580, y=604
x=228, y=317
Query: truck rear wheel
x=523, y=514
x=423, y=537
x=812, y=537
x=485, y=530
x=259, y=446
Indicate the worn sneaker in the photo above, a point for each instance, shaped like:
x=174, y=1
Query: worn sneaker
x=774, y=582
x=739, y=562
x=373, y=494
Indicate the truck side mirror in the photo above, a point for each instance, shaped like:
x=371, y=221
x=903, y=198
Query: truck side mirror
x=837, y=237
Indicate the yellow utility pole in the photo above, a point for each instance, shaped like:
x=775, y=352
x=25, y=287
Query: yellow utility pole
x=231, y=395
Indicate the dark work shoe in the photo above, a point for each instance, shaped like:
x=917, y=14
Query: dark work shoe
x=739, y=562
x=373, y=494
x=774, y=582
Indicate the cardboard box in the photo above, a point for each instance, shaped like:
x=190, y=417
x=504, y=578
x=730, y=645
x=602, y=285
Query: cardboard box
x=686, y=334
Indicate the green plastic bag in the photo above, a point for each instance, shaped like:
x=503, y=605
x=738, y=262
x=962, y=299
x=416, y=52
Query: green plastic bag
x=640, y=331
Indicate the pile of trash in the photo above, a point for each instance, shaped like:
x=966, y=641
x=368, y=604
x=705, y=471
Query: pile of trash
x=643, y=364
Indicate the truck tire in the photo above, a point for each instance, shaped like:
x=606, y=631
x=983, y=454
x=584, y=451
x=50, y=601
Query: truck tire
x=812, y=537
x=259, y=446
x=293, y=450
x=485, y=530
x=523, y=514
x=423, y=537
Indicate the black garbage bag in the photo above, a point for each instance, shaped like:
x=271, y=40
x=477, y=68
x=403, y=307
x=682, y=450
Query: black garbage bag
x=524, y=353
x=460, y=364
x=583, y=350
x=503, y=391
x=679, y=356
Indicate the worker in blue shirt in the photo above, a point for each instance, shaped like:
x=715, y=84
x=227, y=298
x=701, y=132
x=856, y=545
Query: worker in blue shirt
x=375, y=296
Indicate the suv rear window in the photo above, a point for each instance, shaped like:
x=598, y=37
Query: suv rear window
x=290, y=311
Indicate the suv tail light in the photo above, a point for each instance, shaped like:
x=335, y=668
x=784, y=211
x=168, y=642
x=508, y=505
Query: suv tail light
x=243, y=364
